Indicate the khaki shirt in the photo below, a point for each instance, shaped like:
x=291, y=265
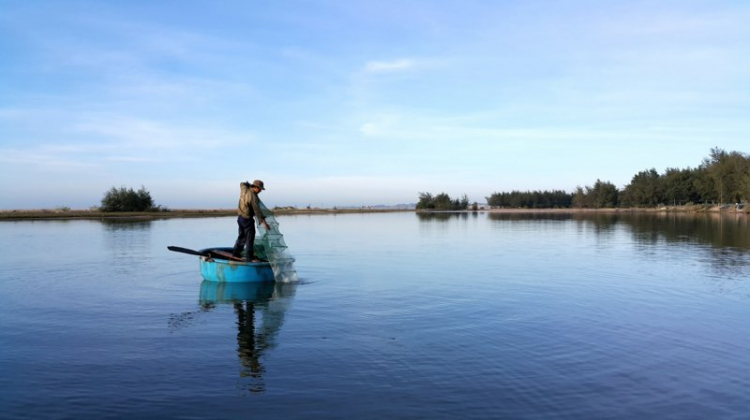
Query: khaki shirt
x=248, y=205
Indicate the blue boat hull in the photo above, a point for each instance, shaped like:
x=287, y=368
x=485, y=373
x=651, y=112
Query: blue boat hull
x=221, y=271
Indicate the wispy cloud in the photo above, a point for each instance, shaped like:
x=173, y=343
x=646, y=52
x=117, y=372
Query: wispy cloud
x=150, y=134
x=41, y=157
x=132, y=159
x=380, y=125
x=88, y=140
x=671, y=23
x=390, y=66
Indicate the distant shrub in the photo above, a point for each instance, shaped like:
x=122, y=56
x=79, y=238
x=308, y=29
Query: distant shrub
x=127, y=199
x=442, y=201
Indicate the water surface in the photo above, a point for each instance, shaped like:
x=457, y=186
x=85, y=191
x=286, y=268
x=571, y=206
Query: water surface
x=475, y=316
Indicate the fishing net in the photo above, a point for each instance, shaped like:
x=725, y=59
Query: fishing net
x=270, y=246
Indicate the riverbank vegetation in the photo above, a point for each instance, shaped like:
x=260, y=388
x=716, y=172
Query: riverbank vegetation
x=722, y=178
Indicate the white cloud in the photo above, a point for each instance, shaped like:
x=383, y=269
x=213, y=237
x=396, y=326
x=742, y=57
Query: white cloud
x=369, y=129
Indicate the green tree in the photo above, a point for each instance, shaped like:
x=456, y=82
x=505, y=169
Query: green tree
x=426, y=201
x=604, y=194
x=127, y=200
x=443, y=202
x=582, y=198
x=729, y=172
x=464, y=203
x=644, y=189
x=704, y=185
x=679, y=186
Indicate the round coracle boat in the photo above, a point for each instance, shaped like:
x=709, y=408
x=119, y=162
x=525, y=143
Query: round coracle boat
x=217, y=269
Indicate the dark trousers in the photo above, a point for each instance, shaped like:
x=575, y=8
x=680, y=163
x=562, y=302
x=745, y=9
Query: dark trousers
x=245, y=238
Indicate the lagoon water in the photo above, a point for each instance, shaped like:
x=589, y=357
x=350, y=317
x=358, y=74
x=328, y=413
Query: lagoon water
x=397, y=316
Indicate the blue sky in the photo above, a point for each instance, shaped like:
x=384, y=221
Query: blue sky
x=360, y=102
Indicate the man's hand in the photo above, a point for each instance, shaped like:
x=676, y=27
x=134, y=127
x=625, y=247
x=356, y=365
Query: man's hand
x=265, y=224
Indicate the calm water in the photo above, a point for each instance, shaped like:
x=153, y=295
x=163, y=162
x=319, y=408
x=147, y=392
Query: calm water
x=398, y=316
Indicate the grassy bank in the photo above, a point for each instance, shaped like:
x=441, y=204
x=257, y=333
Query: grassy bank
x=186, y=213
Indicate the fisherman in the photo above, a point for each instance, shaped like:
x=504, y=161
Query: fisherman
x=247, y=209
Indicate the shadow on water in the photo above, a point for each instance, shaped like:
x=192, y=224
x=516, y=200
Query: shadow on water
x=259, y=308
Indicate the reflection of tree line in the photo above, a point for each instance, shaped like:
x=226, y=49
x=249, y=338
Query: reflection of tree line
x=720, y=231
x=125, y=224
x=717, y=230
x=445, y=216
x=529, y=216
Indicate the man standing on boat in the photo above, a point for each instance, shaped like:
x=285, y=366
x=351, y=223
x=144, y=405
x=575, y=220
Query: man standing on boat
x=247, y=209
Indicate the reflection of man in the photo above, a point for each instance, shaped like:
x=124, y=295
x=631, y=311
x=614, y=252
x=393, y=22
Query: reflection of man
x=247, y=348
x=253, y=342
x=247, y=209
x=271, y=300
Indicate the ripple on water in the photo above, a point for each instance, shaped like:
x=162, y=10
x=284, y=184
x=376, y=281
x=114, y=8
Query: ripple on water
x=397, y=316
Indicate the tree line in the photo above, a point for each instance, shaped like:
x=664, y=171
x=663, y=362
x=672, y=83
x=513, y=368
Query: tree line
x=530, y=199
x=442, y=201
x=722, y=177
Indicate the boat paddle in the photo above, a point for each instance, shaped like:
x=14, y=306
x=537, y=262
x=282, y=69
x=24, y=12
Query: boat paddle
x=208, y=254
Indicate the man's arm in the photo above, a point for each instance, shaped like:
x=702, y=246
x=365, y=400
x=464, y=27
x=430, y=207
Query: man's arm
x=258, y=212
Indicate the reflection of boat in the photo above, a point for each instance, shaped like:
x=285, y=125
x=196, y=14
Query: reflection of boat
x=224, y=270
x=214, y=292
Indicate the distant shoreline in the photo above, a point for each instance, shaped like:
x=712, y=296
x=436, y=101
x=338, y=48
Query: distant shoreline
x=664, y=209
x=14, y=215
